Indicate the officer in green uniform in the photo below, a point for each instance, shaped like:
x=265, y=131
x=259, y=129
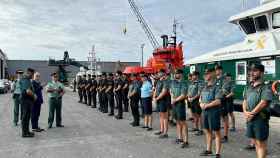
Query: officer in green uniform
x=110, y=93
x=178, y=92
x=228, y=92
x=27, y=99
x=84, y=90
x=210, y=102
x=55, y=91
x=194, y=90
x=220, y=82
x=16, y=98
x=80, y=89
x=94, y=91
x=89, y=90
x=257, y=97
x=160, y=97
x=134, y=97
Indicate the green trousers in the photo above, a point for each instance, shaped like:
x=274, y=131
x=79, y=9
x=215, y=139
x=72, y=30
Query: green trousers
x=16, y=98
x=55, y=106
x=26, y=105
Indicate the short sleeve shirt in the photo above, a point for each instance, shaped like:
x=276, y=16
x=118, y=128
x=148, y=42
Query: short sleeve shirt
x=110, y=83
x=161, y=84
x=253, y=95
x=194, y=88
x=146, y=89
x=178, y=88
x=210, y=93
x=54, y=85
x=134, y=87
x=118, y=82
x=228, y=87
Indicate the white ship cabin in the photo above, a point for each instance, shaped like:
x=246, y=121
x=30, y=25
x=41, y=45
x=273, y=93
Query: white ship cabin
x=261, y=26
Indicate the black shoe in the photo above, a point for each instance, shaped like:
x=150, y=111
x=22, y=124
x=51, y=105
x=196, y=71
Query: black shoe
x=250, y=147
x=199, y=133
x=178, y=141
x=49, y=126
x=79, y=101
x=119, y=117
x=27, y=135
x=163, y=136
x=135, y=125
x=185, y=145
x=111, y=114
x=218, y=156
x=15, y=124
x=194, y=130
x=144, y=127
x=38, y=130
x=158, y=133
x=206, y=153
x=60, y=126
x=149, y=129
x=225, y=139
x=93, y=106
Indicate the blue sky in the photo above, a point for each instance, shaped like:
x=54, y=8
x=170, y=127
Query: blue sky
x=39, y=29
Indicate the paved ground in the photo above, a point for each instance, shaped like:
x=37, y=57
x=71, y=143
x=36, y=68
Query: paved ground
x=90, y=134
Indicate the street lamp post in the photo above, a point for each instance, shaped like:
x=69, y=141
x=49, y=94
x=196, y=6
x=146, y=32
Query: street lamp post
x=142, y=54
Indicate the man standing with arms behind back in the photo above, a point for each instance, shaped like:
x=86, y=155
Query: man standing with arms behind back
x=257, y=97
x=16, y=98
x=27, y=97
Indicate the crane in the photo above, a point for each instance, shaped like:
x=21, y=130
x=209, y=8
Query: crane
x=144, y=24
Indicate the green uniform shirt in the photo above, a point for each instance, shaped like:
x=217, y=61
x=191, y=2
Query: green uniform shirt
x=210, y=93
x=17, y=87
x=253, y=95
x=178, y=88
x=134, y=86
x=228, y=87
x=161, y=84
x=25, y=84
x=55, y=85
x=194, y=88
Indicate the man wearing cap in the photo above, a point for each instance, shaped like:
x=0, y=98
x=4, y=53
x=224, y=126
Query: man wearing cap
x=178, y=92
x=210, y=102
x=89, y=90
x=228, y=91
x=80, y=88
x=16, y=98
x=110, y=93
x=84, y=90
x=161, y=99
x=98, y=80
x=94, y=91
x=118, y=94
x=125, y=92
x=220, y=82
x=194, y=90
x=257, y=97
x=134, y=97
x=27, y=99
x=55, y=91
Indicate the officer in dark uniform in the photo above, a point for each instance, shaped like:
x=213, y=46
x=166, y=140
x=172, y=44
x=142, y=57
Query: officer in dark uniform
x=257, y=97
x=85, y=89
x=134, y=97
x=210, y=102
x=110, y=93
x=80, y=88
x=125, y=92
x=93, y=91
x=118, y=94
x=103, y=87
x=27, y=99
x=220, y=81
x=74, y=85
x=16, y=97
x=98, y=80
x=89, y=90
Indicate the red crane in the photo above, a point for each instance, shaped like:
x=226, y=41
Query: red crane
x=169, y=56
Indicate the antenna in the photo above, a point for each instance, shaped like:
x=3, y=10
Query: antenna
x=92, y=60
x=244, y=4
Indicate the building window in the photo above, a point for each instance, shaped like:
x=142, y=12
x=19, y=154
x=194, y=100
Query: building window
x=276, y=20
x=261, y=23
x=248, y=25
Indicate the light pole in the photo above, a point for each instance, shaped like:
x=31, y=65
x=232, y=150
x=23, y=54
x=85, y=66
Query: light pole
x=142, y=54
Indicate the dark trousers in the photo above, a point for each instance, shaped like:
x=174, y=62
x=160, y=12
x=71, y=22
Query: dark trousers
x=134, y=105
x=74, y=88
x=55, y=107
x=99, y=100
x=125, y=100
x=89, y=98
x=17, y=108
x=26, y=114
x=80, y=95
x=85, y=96
x=105, y=102
x=119, y=103
x=36, y=110
x=111, y=102
x=93, y=95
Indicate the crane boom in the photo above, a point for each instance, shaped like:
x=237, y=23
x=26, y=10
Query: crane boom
x=144, y=24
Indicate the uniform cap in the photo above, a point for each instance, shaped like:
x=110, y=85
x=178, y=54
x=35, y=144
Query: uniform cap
x=208, y=71
x=30, y=70
x=257, y=66
x=218, y=67
x=196, y=73
x=179, y=71
x=19, y=71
